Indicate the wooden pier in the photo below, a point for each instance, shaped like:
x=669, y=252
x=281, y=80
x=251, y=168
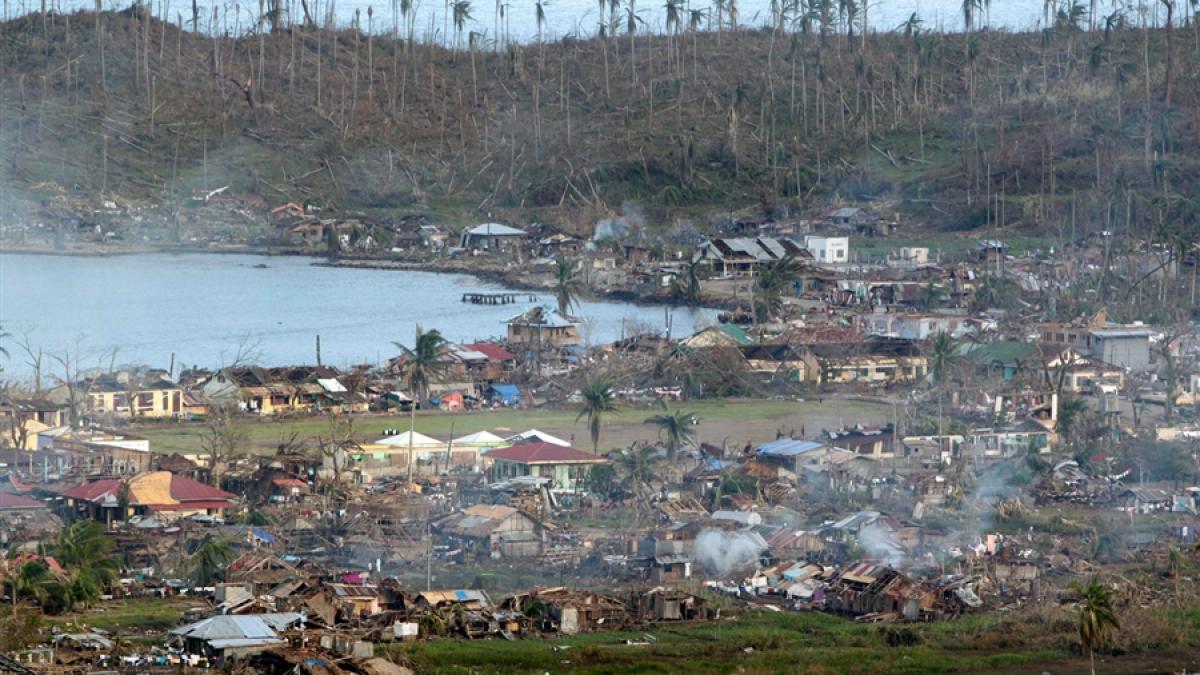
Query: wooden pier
x=497, y=298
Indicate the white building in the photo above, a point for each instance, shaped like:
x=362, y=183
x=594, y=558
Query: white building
x=828, y=249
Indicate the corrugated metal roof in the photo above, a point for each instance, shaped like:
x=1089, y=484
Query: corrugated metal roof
x=496, y=230
x=438, y=597
x=787, y=447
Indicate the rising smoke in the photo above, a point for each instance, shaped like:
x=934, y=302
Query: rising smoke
x=722, y=552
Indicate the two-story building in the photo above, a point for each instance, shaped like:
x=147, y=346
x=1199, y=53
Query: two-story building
x=542, y=327
x=828, y=249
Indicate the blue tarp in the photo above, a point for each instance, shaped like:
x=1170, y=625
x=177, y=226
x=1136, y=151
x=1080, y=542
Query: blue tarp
x=263, y=535
x=508, y=393
x=714, y=464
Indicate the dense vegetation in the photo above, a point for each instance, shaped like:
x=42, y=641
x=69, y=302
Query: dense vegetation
x=1058, y=131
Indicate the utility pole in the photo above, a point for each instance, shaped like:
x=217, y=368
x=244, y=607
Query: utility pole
x=429, y=555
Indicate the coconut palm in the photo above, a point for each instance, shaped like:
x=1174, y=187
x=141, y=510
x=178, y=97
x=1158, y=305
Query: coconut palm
x=674, y=9
x=688, y=287
x=422, y=365
x=1070, y=412
x=598, y=401
x=1096, y=615
x=637, y=465
x=771, y=285
x=461, y=12
x=942, y=359
x=210, y=560
x=540, y=13
x=85, y=545
x=675, y=428
x=29, y=581
x=568, y=286
x=911, y=26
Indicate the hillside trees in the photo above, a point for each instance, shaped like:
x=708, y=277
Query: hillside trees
x=1000, y=130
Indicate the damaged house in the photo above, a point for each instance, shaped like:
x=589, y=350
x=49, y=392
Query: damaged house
x=494, y=531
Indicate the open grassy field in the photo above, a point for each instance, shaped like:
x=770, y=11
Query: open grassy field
x=1032, y=640
x=766, y=642
x=734, y=422
x=131, y=618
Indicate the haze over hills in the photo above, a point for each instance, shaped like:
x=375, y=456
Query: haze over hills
x=1055, y=132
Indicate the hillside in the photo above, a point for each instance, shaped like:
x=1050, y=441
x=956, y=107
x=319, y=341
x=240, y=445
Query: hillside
x=1049, y=133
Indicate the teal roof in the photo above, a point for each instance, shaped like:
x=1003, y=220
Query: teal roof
x=736, y=332
x=1005, y=352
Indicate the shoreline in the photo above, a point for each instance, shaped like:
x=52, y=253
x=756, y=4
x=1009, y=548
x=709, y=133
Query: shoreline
x=505, y=278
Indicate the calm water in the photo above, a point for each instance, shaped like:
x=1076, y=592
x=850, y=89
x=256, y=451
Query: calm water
x=203, y=307
x=563, y=17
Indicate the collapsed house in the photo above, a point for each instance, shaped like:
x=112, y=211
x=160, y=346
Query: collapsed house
x=568, y=611
x=871, y=591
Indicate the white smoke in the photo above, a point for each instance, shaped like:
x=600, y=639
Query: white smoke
x=722, y=552
x=879, y=545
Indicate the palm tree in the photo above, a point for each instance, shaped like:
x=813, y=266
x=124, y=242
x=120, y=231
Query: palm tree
x=968, y=12
x=942, y=359
x=422, y=366
x=772, y=283
x=30, y=580
x=568, y=286
x=598, y=401
x=1070, y=410
x=210, y=560
x=688, y=288
x=1096, y=615
x=674, y=10
x=540, y=9
x=461, y=10
x=911, y=26
x=85, y=545
x=637, y=464
x=675, y=428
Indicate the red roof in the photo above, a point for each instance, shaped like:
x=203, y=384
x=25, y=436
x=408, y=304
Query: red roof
x=94, y=491
x=11, y=501
x=493, y=351
x=544, y=453
x=182, y=490
x=185, y=489
x=189, y=506
x=289, y=482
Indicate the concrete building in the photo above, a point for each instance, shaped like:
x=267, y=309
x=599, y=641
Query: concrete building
x=828, y=249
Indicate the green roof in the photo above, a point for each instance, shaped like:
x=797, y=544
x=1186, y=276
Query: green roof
x=736, y=332
x=1005, y=352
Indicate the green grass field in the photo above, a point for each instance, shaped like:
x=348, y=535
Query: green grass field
x=737, y=420
x=132, y=617
x=757, y=642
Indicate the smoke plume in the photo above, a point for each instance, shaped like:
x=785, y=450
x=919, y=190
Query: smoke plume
x=723, y=552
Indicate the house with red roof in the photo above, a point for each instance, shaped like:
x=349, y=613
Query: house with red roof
x=499, y=364
x=163, y=493
x=565, y=466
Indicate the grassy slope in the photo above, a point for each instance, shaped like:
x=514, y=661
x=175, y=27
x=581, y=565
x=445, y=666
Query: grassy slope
x=1048, y=128
x=741, y=420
